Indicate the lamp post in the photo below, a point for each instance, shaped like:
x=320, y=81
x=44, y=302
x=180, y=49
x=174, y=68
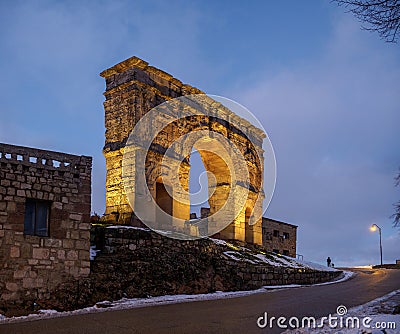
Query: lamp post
x=373, y=229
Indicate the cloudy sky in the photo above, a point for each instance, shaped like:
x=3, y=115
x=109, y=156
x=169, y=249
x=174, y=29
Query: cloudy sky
x=326, y=92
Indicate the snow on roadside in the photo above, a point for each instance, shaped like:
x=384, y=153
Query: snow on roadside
x=346, y=275
x=378, y=310
x=218, y=241
x=315, y=266
x=236, y=253
x=126, y=303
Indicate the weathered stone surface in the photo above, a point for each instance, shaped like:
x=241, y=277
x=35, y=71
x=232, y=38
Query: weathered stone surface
x=133, y=88
x=138, y=263
x=279, y=236
x=41, y=253
x=33, y=266
x=14, y=252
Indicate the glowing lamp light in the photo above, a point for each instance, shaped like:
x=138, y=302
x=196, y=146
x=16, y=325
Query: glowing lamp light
x=373, y=228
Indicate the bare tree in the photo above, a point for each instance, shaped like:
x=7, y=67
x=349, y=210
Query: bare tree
x=382, y=16
x=396, y=214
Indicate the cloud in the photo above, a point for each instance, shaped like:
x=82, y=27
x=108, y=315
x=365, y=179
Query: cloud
x=51, y=56
x=334, y=126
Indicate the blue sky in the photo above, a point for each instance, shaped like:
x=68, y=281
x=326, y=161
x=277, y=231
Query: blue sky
x=326, y=92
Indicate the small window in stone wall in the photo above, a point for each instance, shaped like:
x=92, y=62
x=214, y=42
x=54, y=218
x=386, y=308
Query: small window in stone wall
x=285, y=252
x=285, y=235
x=37, y=217
x=276, y=251
x=276, y=233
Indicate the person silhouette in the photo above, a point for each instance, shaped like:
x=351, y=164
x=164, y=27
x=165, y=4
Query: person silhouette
x=328, y=261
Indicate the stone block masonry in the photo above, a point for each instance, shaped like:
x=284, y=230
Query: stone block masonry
x=279, y=237
x=133, y=88
x=228, y=274
x=45, y=202
x=134, y=262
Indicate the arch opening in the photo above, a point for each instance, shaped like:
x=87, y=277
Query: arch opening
x=165, y=201
x=249, y=233
x=198, y=186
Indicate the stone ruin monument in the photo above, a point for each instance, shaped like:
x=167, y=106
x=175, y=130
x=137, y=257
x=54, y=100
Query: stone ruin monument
x=133, y=89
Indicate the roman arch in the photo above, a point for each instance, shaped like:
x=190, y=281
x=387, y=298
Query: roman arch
x=140, y=104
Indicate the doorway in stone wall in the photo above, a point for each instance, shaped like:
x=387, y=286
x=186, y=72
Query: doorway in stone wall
x=165, y=202
x=248, y=228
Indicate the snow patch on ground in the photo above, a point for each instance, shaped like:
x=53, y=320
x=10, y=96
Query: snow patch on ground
x=126, y=303
x=93, y=252
x=126, y=227
x=218, y=241
x=48, y=312
x=346, y=275
x=379, y=310
x=238, y=257
x=315, y=266
x=238, y=253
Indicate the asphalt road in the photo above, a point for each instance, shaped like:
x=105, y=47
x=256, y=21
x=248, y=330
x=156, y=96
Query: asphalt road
x=235, y=315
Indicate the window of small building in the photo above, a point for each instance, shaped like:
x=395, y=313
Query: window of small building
x=285, y=252
x=285, y=235
x=37, y=217
x=276, y=233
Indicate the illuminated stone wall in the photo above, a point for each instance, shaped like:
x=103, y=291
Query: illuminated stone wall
x=279, y=236
x=133, y=88
x=33, y=264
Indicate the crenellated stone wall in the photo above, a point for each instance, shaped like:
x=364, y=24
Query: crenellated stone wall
x=34, y=262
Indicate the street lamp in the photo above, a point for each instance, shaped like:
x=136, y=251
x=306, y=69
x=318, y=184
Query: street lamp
x=373, y=228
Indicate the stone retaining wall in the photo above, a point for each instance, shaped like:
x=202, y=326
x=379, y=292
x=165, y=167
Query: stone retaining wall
x=137, y=262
